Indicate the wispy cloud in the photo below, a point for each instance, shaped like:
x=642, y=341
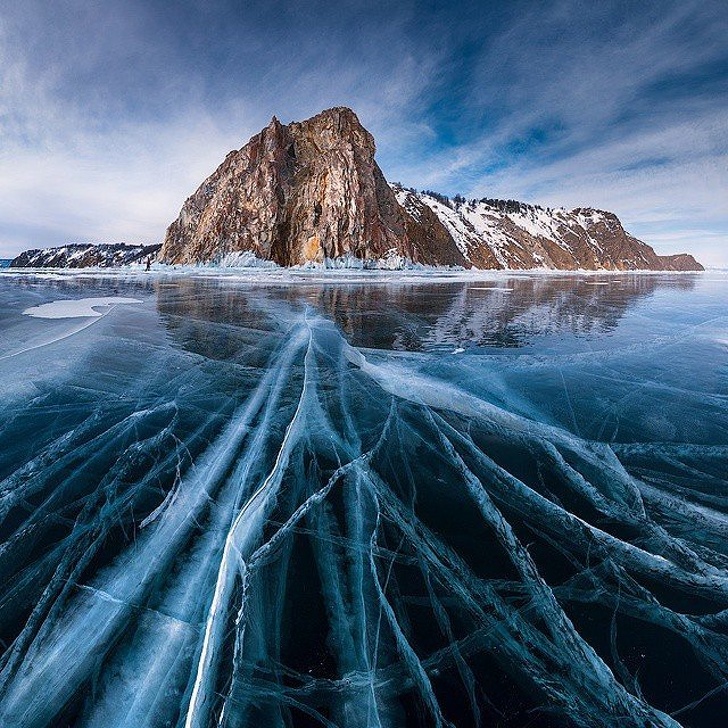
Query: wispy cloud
x=582, y=106
x=110, y=115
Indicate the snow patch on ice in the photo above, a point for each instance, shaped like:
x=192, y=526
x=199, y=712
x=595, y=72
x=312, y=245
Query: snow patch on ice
x=76, y=308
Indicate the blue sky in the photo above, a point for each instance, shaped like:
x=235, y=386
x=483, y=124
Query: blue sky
x=111, y=113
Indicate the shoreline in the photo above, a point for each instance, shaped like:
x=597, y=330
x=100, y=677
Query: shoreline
x=331, y=275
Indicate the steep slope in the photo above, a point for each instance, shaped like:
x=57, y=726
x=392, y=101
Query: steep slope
x=305, y=192
x=511, y=234
x=85, y=255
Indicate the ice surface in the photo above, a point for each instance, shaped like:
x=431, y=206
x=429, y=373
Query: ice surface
x=364, y=503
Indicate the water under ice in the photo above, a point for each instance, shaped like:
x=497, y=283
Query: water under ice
x=319, y=504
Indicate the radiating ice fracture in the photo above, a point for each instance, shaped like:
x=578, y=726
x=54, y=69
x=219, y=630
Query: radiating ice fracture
x=359, y=544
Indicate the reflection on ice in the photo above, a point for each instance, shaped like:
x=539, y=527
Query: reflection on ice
x=259, y=515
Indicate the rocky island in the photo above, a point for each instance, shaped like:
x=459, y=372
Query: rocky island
x=311, y=193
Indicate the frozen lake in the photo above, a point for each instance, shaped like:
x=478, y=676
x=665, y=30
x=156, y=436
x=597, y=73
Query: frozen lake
x=306, y=502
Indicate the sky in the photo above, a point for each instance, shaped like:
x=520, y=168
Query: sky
x=112, y=112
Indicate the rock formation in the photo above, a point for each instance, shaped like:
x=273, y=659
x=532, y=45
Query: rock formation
x=305, y=192
x=311, y=191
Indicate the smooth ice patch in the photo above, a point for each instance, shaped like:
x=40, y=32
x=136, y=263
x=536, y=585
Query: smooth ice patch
x=76, y=308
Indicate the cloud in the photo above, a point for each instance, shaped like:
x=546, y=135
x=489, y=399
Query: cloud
x=630, y=119
x=112, y=113
x=108, y=124
x=68, y=173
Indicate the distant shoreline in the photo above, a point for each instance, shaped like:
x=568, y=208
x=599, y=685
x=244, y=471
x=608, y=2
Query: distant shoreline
x=346, y=275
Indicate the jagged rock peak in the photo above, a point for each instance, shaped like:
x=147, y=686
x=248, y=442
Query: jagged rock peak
x=338, y=121
x=304, y=192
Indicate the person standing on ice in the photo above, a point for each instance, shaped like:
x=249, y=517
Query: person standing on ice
x=149, y=263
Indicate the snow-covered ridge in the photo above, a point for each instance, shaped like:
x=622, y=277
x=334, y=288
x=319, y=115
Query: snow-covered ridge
x=493, y=233
x=86, y=255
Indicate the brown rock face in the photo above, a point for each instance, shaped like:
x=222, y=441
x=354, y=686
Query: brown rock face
x=307, y=191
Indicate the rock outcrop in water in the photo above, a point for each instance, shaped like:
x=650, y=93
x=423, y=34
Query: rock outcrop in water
x=305, y=192
x=85, y=255
x=311, y=191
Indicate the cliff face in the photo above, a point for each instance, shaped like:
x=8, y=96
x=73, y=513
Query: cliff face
x=85, y=255
x=311, y=191
x=510, y=234
x=307, y=191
